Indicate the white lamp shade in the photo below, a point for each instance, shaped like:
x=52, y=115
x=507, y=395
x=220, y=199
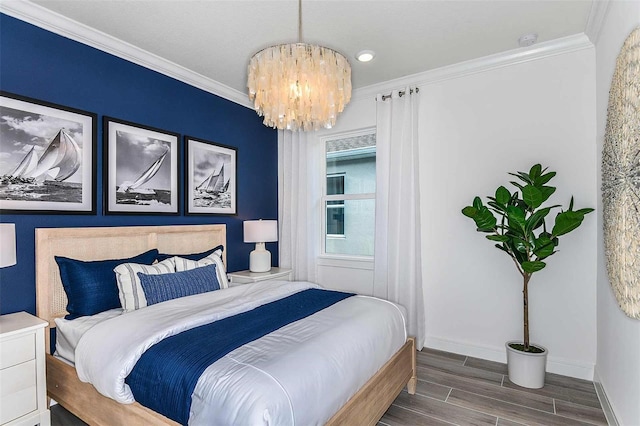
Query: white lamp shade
x=260, y=231
x=7, y=244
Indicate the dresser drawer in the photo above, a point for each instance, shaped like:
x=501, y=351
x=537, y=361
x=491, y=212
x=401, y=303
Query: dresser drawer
x=18, y=391
x=16, y=350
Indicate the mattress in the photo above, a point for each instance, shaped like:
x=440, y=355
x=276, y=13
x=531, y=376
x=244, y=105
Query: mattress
x=300, y=374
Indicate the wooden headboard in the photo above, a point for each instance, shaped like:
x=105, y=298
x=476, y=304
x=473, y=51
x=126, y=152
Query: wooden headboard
x=102, y=243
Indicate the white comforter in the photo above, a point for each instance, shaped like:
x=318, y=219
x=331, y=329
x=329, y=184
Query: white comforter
x=300, y=374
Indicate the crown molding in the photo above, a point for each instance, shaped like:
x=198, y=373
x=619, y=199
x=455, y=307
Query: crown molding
x=511, y=57
x=61, y=25
x=597, y=14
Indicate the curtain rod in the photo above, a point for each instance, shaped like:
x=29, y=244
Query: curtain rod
x=401, y=93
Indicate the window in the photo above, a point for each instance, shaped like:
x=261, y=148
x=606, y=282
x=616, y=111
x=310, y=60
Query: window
x=335, y=209
x=349, y=194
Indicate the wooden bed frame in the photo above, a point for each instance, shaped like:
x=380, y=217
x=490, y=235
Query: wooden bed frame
x=366, y=407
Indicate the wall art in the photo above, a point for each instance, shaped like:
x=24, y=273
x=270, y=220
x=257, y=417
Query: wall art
x=211, y=179
x=141, y=169
x=47, y=157
x=621, y=178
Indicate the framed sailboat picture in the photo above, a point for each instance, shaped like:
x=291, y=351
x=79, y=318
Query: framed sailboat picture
x=141, y=169
x=211, y=179
x=47, y=157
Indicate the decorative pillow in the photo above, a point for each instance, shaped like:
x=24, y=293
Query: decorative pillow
x=214, y=258
x=161, y=287
x=131, y=293
x=194, y=256
x=91, y=286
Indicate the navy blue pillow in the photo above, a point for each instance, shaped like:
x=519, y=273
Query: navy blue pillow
x=161, y=287
x=91, y=287
x=194, y=256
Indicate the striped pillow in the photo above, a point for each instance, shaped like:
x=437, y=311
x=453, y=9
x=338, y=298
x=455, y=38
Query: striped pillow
x=161, y=287
x=214, y=258
x=130, y=291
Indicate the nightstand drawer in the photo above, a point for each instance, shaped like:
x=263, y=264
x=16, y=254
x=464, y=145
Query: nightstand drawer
x=18, y=404
x=17, y=350
x=17, y=378
x=18, y=391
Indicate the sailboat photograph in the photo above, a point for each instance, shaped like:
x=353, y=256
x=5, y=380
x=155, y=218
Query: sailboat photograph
x=211, y=175
x=45, y=160
x=142, y=169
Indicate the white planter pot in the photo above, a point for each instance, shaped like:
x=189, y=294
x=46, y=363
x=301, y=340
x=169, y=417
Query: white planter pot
x=526, y=369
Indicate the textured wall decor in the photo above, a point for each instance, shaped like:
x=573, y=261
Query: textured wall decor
x=621, y=178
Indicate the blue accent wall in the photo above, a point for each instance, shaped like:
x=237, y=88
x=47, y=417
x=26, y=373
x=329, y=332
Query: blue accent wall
x=42, y=65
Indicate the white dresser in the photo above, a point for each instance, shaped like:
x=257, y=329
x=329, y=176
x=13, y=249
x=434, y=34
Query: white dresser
x=23, y=388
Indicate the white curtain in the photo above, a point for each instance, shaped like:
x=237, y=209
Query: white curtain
x=398, y=262
x=299, y=203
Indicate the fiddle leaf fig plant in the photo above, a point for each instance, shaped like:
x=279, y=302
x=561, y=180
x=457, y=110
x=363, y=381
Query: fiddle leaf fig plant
x=516, y=222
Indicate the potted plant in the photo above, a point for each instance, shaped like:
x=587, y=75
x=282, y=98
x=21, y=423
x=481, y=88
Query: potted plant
x=516, y=222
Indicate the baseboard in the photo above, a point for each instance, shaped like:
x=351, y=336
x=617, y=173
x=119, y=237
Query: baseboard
x=604, y=400
x=555, y=365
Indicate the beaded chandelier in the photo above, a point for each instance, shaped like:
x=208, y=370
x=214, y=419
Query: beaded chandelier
x=299, y=86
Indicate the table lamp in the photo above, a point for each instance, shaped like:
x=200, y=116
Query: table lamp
x=260, y=232
x=7, y=244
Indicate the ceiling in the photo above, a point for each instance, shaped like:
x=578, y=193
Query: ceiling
x=216, y=38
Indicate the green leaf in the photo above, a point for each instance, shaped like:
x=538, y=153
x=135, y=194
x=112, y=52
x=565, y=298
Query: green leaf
x=584, y=211
x=532, y=196
x=547, y=191
x=535, y=220
x=502, y=195
x=470, y=211
x=477, y=203
x=517, y=185
x=535, y=172
x=516, y=217
x=500, y=207
x=503, y=248
x=531, y=267
x=485, y=220
x=500, y=238
x=544, y=178
x=566, y=222
x=543, y=247
x=521, y=245
x=522, y=176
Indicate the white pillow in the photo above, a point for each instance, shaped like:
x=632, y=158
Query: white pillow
x=129, y=288
x=214, y=258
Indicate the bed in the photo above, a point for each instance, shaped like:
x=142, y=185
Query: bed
x=366, y=406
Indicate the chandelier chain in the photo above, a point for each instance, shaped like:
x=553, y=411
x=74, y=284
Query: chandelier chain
x=299, y=21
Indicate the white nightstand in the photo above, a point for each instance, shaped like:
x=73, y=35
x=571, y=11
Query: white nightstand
x=245, y=277
x=23, y=386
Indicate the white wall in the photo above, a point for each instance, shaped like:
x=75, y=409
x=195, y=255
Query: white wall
x=475, y=130
x=618, y=365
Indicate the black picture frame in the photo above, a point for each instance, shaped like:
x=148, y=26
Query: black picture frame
x=211, y=178
x=140, y=169
x=48, y=156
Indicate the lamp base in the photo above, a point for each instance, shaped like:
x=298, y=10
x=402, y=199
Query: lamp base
x=260, y=259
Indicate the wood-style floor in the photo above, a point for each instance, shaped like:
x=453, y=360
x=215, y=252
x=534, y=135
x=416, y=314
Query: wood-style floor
x=458, y=390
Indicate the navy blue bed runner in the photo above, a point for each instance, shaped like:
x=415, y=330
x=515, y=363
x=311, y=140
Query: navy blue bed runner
x=166, y=375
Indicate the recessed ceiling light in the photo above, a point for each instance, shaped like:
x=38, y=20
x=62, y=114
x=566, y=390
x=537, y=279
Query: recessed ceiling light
x=527, y=39
x=365, y=55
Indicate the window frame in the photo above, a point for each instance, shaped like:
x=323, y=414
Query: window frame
x=339, y=197
x=335, y=206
